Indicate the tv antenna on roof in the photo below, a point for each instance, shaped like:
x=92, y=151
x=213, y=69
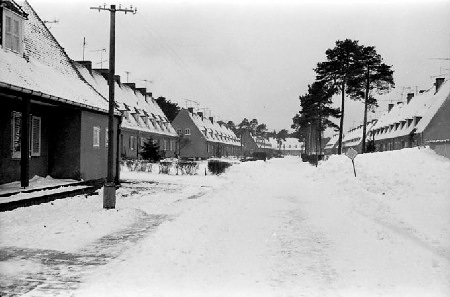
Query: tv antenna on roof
x=146, y=81
x=103, y=50
x=55, y=21
x=192, y=102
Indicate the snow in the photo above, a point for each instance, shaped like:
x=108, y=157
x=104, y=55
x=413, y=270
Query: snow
x=36, y=182
x=275, y=228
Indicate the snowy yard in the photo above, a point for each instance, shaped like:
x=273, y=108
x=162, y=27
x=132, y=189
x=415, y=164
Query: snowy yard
x=275, y=228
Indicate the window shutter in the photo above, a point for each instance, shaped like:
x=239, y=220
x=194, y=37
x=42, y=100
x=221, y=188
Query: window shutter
x=35, y=136
x=16, y=126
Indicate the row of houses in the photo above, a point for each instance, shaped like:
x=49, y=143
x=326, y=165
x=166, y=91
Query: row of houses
x=54, y=116
x=423, y=119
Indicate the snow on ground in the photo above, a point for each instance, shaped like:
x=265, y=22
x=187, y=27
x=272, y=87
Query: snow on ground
x=37, y=182
x=275, y=228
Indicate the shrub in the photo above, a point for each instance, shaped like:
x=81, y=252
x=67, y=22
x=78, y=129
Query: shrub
x=370, y=146
x=187, y=167
x=217, y=167
x=260, y=156
x=164, y=167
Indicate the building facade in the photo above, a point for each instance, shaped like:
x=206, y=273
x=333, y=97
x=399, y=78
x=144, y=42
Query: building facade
x=142, y=119
x=200, y=137
x=424, y=119
x=52, y=121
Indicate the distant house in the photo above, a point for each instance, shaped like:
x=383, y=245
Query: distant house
x=292, y=147
x=142, y=118
x=52, y=121
x=423, y=119
x=252, y=143
x=201, y=137
x=353, y=137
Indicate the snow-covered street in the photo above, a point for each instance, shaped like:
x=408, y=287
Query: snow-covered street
x=275, y=228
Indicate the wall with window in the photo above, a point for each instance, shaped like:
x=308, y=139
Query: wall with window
x=94, y=155
x=10, y=129
x=193, y=144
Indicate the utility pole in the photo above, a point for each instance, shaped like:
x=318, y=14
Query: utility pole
x=109, y=192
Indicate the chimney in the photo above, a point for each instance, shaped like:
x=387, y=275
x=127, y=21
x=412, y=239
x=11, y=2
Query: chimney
x=150, y=94
x=200, y=114
x=86, y=64
x=390, y=106
x=131, y=85
x=211, y=119
x=117, y=79
x=438, y=84
x=409, y=97
x=142, y=90
x=103, y=72
x=191, y=110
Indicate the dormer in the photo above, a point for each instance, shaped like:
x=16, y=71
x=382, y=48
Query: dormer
x=12, y=22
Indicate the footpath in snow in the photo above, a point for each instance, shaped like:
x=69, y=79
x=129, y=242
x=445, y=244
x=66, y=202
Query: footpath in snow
x=275, y=228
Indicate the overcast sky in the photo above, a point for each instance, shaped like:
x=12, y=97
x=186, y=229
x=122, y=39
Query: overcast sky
x=252, y=58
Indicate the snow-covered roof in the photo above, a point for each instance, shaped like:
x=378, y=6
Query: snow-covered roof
x=417, y=114
x=354, y=136
x=332, y=142
x=141, y=112
x=213, y=131
x=45, y=69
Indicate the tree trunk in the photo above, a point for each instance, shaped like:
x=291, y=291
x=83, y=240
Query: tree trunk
x=363, y=144
x=341, y=124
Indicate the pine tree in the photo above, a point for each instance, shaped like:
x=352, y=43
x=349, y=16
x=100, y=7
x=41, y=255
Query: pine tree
x=151, y=152
x=315, y=114
x=340, y=68
x=169, y=108
x=374, y=75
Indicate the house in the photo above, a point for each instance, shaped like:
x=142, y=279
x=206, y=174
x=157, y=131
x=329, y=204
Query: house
x=142, y=118
x=252, y=144
x=423, y=119
x=353, y=137
x=292, y=147
x=201, y=137
x=52, y=121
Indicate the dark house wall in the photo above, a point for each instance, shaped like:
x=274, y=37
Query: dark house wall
x=93, y=160
x=140, y=136
x=197, y=146
x=65, y=142
x=439, y=126
x=10, y=167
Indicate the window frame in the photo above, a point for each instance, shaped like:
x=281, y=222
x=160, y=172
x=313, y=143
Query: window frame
x=187, y=131
x=96, y=136
x=15, y=37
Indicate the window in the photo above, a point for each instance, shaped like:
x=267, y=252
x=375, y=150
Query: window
x=106, y=137
x=13, y=32
x=187, y=131
x=132, y=143
x=179, y=131
x=16, y=133
x=166, y=146
x=96, y=137
x=171, y=145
